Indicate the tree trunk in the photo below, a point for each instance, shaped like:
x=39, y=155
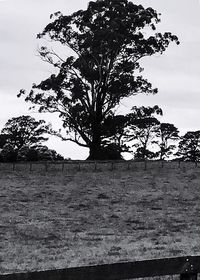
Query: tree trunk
x=96, y=153
x=97, y=150
x=96, y=146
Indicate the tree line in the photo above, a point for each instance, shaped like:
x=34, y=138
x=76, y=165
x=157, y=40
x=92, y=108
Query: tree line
x=139, y=133
x=105, y=45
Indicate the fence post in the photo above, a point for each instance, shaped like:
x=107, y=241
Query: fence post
x=188, y=276
x=30, y=167
x=95, y=166
x=13, y=166
x=63, y=165
x=145, y=165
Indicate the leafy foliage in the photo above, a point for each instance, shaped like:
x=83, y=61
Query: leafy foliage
x=143, y=129
x=114, y=131
x=27, y=153
x=189, y=146
x=106, y=40
x=8, y=153
x=144, y=153
x=21, y=140
x=3, y=140
x=44, y=153
x=25, y=131
x=167, y=133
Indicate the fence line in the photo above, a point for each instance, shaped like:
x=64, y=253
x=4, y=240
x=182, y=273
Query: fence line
x=127, y=164
x=187, y=267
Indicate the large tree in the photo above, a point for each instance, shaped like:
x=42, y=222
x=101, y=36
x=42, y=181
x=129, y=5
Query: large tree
x=107, y=41
x=25, y=131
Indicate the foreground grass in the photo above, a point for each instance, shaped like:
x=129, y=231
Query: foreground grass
x=58, y=219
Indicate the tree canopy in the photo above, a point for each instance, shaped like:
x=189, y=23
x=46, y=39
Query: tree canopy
x=3, y=140
x=21, y=140
x=143, y=129
x=25, y=131
x=189, y=146
x=107, y=42
x=167, y=133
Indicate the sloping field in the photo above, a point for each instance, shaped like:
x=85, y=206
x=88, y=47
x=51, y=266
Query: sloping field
x=64, y=217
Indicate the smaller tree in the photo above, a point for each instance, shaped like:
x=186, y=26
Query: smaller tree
x=25, y=131
x=3, y=140
x=114, y=128
x=114, y=133
x=55, y=155
x=8, y=153
x=26, y=153
x=44, y=153
x=144, y=153
x=37, y=153
x=143, y=129
x=167, y=133
x=189, y=146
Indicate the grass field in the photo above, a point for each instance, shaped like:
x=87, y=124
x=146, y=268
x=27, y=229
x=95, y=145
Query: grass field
x=54, y=219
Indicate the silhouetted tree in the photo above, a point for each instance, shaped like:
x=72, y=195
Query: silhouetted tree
x=8, y=153
x=143, y=129
x=143, y=153
x=189, y=146
x=3, y=140
x=37, y=153
x=167, y=133
x=114, y=133
x=107, y=41
x=25, y=131
x=27, y=153
x=44, y=153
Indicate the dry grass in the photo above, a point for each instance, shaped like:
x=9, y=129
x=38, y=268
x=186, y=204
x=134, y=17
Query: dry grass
x=55, y=220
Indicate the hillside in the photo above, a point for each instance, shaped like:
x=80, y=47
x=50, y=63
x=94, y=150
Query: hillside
x=55, y=217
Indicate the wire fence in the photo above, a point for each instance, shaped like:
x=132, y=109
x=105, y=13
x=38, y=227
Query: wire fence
x=95, y=166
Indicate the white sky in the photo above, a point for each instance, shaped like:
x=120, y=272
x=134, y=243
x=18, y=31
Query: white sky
x=176, y=73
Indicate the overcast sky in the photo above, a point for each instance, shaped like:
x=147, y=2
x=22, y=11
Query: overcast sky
x=176, y=73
